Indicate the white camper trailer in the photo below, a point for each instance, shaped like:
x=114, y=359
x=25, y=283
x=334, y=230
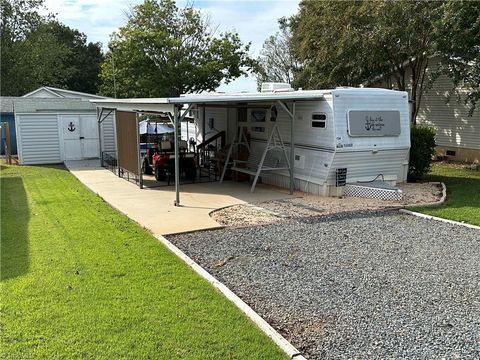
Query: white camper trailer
x=345, y=135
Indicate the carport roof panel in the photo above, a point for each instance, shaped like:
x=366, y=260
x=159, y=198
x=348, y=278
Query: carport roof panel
x=305, y=95
x=136, y=104
x=166, y=104
x=210, y=98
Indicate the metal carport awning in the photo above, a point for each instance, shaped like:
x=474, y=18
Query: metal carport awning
x=173, y=106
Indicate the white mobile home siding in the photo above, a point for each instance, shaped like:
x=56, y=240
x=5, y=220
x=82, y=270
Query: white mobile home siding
x=38, y=139
x=443, y=108
x=448, y=115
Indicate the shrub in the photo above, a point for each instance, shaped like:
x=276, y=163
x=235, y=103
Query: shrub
x=422, y=150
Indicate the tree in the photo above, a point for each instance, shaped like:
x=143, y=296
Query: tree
x=351, y=44
x=277, y=62
x=84, y=58
x=37, y=51
x=39, y=60
x=327, y=41
x=460, y=54
x=405, y=31
x=165, y=51
x=18, y=19
x=345, y=43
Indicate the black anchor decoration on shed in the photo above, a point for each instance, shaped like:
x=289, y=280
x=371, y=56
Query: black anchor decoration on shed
x=71, y=126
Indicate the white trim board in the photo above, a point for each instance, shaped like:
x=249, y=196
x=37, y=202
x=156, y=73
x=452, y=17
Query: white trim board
x=430, y=217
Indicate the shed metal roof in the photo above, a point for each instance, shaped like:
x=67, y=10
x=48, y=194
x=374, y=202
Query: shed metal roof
x=63, y=93
x=33, y=105
x=7, y=104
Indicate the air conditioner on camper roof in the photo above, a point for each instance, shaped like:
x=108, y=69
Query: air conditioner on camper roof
x=275, y=87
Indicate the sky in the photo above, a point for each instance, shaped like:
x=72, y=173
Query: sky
x=253, y=20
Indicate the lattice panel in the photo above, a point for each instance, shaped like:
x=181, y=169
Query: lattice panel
x=373, y=192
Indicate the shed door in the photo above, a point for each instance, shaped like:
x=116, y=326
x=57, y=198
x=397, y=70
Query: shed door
x=80, y=137
x=71, y=137
x=89, y=136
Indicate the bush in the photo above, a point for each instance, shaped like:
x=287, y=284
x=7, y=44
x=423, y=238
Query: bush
x=422, y=150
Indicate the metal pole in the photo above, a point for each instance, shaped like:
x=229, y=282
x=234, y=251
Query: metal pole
x=292, y=150
x=99, y=116
x=8, y=149
x=188, y=136
x=177, y=160
x=139, y=167
x=115, y=120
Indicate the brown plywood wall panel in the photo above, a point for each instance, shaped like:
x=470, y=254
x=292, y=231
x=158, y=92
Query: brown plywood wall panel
x=126, y=123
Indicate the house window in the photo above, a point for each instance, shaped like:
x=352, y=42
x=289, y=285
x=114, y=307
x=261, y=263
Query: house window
x=319, y=120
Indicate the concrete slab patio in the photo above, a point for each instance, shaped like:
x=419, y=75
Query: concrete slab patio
x=153, y=208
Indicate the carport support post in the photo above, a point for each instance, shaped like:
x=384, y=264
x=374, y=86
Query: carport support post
x=177, y=160
x=99, y=122
x=140, y=176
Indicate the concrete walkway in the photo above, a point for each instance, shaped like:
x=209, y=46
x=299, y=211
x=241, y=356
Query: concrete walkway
x=154, y=209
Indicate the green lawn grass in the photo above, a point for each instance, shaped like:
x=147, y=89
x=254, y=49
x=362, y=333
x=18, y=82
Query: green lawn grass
x=463, y=194
x=81, y=281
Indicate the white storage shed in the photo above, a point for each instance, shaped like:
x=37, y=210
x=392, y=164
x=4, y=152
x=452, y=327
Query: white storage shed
x=55, y=125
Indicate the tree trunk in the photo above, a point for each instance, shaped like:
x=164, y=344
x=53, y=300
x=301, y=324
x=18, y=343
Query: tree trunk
x=413, y=92
x=419, y=68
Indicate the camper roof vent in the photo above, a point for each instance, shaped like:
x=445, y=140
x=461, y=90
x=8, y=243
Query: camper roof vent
x=275, y=87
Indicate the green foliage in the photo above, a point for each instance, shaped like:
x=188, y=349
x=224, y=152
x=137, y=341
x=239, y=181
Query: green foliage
x=327, y=38
x=37, y=60
x=277, y=62
x=37, y=51
x=422, y=150
x=458, y=45
x=79, y=280
x=83, y=61
x=463, y=194
x=164, y=50
x=343, y=43
x=18, y=18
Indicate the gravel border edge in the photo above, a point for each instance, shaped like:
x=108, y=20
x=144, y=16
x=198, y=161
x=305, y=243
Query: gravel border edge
x=276, y=337
x=439, y=202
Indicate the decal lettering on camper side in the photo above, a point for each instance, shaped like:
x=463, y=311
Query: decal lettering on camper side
x=374, y=124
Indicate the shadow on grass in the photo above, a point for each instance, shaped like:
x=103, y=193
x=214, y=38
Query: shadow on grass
x=14, y=257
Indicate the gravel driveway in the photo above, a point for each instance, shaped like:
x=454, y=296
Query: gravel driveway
x=366, y=285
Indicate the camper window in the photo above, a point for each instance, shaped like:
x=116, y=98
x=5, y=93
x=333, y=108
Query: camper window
x=319, y=120
x=259, y=115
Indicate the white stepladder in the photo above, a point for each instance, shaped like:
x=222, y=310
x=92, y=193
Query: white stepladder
x=252, y=166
